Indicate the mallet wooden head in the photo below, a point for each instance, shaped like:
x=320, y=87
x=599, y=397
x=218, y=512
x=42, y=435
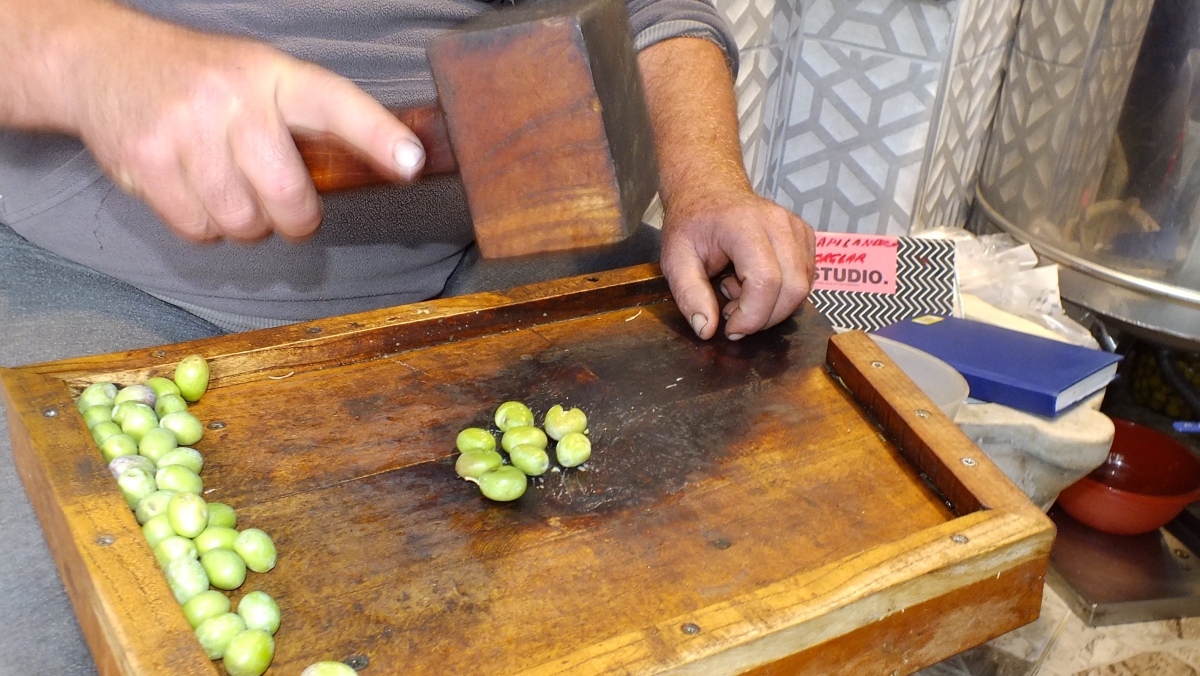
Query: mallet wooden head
x=545, y=117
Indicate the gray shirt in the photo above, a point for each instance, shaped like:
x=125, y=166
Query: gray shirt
x=376, y=247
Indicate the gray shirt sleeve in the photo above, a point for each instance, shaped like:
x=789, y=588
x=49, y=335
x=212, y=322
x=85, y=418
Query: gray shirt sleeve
x=657, y=20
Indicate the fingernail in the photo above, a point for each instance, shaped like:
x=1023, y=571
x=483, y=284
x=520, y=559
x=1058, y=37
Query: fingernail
x=409, y=156
x=699, y=321
x=125, y=181
x=736, y=336
x=725, y=292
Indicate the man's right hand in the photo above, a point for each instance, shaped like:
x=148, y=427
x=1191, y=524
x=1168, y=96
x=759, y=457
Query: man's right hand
x=195, y=124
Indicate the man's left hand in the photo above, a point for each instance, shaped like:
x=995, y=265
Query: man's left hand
x=771, y=250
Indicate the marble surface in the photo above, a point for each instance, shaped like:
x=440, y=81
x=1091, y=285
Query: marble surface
x=1060, y=644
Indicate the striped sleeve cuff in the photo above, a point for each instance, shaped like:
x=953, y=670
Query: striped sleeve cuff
x=683, y=28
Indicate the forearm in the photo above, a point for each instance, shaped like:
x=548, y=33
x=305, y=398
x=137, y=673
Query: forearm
x=712, y=217
x=694, y=115
x=39, y=43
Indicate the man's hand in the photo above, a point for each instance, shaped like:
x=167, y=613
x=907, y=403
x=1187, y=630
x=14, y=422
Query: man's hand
x=711, y=215
x=772, y=253
x=197, y=125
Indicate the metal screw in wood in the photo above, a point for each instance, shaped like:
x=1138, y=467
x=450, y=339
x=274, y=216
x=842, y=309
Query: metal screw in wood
x=969, y=462
x=922, y=413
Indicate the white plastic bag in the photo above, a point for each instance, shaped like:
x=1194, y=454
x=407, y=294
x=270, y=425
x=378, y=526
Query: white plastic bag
x=1002, y=283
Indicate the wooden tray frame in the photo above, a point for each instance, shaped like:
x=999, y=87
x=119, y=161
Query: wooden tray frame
x=891, y=609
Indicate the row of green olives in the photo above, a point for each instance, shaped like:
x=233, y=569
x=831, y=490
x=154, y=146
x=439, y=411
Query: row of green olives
x=145, y=433
x=479, y=462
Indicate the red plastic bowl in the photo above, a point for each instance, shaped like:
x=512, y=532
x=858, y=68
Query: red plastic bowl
x=1147, y=480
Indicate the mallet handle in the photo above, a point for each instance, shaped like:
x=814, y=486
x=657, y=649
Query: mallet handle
x=335, y=166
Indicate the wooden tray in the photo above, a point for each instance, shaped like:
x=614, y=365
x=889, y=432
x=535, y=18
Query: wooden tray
x=769, y=506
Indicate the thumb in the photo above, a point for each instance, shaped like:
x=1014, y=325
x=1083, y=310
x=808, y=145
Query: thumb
x=692, y=290
x=319, y=100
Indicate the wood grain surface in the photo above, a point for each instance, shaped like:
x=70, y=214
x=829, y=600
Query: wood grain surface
x=545, y=109
x=741, y=510
x=541, y=111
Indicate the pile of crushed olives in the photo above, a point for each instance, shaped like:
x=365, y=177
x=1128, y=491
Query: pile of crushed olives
x=503, y=478
x=145, y=433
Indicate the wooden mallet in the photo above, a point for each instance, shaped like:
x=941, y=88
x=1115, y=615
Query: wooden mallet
x=542, y=113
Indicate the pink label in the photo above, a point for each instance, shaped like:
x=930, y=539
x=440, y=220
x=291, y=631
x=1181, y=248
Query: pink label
x=865, y=263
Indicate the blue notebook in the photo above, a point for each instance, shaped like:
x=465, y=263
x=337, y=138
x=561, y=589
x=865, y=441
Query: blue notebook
x=1025, y=372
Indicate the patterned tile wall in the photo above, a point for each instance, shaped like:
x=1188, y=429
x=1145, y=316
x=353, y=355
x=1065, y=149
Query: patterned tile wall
x=758, y=88
x=852, y=150
x=868, y=115
x=964, y=113
x=762, y=29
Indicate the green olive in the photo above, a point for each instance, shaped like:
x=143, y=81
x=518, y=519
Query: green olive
x=156, y=443
x=560, y=423
x=102, y=431
x=121, y=410
x=573, y=450
x=187, y=428
x=187, y=457
x=515, y=436
x=530, y=459
x=259, y=611
x=204, y=606
x=173, y=548
x=162, y=386
x=192, y=377
x=153, y=505
x=503, y=483
x=513, y=414
x=188, y=513
x=225, y=568
x=249, y=653
x=138, y=393
x=186, y=577
x=96, y=394
x=221, y=514
x=473, y=463
x=157, y=529
x=475, y=439
x=328, y=668
x=214, y=537
x=118, y=445
x=216, y=633
x=180, y=479
x=170, y=403
x=138, y=421
x=121, y=463
x=257, y=549
x=94, y=415
x=135, y=484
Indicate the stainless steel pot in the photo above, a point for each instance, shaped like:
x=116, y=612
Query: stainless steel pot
x=1095, y=157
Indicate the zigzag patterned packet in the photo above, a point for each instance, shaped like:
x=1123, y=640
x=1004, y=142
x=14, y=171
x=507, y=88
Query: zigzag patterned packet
x=870, y=281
